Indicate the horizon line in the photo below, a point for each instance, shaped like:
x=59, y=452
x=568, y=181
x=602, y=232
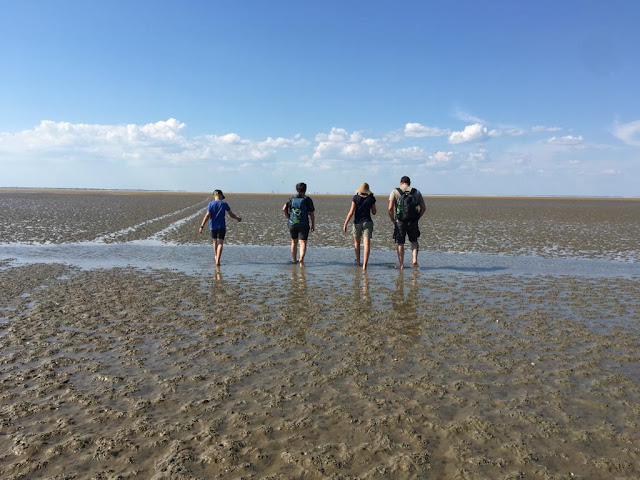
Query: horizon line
x=467, y=195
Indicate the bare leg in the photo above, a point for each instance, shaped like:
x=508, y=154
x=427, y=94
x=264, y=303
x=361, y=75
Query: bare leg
x=401, y=255
x=219, y=247
x=367, y=250
x=415, y=248
x=294, y=250
x=214, y=242
x=303, y=251
x=356, y=248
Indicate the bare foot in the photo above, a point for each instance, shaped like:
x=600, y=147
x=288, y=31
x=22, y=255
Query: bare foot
x=415, y=264
x=302, y=263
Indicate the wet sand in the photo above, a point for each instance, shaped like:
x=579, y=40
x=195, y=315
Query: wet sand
x=265, y=370
x=547, y=227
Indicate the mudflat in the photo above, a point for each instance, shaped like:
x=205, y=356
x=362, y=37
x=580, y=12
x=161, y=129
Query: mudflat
x=548, y=227
x=267, y=370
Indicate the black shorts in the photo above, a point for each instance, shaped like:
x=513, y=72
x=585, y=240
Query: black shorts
x=404, y=229
x=218, y=233
x=300, y=232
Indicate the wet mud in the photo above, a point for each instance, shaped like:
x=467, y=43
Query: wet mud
x=472, y=367
x=64, y=217
x=122, y=373
x=547, y=227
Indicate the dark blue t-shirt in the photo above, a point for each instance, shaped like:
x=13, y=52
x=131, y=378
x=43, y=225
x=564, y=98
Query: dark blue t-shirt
x=363, y=208
x=217, y=210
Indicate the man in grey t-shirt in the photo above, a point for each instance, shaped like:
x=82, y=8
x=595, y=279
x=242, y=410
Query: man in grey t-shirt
x=404, y=227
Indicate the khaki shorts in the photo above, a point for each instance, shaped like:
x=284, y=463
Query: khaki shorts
x=363, y=229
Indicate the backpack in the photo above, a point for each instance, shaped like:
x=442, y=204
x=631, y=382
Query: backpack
x=299, y=214
x=407, y=206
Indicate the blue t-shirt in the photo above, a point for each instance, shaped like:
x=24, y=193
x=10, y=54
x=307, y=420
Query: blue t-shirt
x=217, y=210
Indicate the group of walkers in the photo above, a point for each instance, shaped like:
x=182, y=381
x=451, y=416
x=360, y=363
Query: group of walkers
x=405, y=208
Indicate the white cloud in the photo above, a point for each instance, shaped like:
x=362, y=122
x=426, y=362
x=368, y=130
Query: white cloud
x=409, y=153
x=542, y=128
x=471, y=133
x=280, y=142
x=167, y=143
x=506, y=132
x=466, y=116
x=479, y=156
x=418, y=130
x=339, y=143
x=629, y=133
x=566, y=140
x=150, y=144
x=440, y=159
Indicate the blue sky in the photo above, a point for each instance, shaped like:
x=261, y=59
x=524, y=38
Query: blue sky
x=489, y=98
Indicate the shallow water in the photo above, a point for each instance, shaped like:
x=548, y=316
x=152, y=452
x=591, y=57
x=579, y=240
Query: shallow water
x=258, y=261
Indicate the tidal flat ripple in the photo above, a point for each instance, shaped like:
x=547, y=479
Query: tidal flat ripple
x=121, y=373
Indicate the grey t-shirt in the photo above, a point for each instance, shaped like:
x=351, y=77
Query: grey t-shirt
x=395, y=196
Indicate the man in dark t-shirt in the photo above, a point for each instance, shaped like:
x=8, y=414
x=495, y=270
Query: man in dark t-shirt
x=298, y=210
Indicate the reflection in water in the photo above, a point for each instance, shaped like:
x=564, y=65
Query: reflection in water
x=299, y=278
x=361, y=292
x=298, y=304
x=405, y=300
x=217, y=274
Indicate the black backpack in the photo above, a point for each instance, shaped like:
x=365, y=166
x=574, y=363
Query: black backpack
x=407, y=207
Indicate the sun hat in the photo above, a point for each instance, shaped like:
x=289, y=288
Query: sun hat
x=219, y=194
x=364, y=189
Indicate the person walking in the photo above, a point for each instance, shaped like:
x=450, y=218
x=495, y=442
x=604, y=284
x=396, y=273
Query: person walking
x=406, y=207
x=363, y=205
x=298, y=210
x=217, y=224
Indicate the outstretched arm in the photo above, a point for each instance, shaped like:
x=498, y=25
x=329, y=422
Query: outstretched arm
x=234, y=216
x=390, y=210
x=204, y=221
x=349, y=215
x=313, y=221
x=285, y=212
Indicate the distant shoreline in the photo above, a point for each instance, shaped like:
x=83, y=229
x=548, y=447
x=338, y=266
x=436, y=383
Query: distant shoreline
x=281, y=194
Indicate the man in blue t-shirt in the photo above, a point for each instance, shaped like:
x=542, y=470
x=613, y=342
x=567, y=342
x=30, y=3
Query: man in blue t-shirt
x=216, y=215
